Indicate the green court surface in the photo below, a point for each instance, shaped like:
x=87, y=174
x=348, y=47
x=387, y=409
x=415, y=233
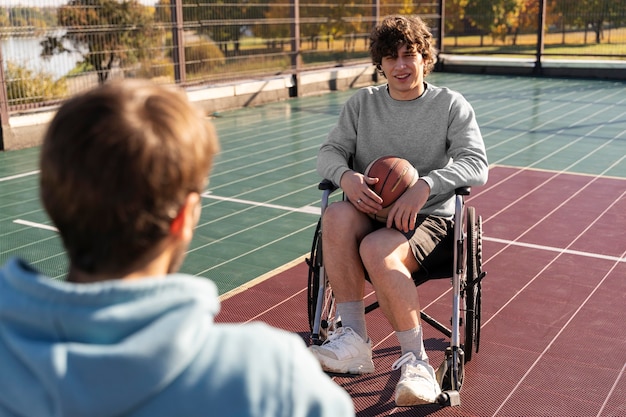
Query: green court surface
x=261, y=207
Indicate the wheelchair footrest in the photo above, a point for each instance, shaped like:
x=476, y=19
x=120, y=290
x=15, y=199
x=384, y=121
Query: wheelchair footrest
x=450, y=398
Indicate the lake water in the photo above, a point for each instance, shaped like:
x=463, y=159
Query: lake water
x=26, y=52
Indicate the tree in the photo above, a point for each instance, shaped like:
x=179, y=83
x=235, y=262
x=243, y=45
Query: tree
x=106, y=33
x=455, y=17
x=592, y=14
x=222, y=22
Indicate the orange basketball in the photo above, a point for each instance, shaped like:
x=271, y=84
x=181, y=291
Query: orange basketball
x=395, y=175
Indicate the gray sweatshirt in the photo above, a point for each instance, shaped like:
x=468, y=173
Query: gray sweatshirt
x=436, y=132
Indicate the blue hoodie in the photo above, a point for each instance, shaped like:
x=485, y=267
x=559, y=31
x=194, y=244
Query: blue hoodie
x=147, y=347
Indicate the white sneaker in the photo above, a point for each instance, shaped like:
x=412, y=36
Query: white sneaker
x=345, y=352
x=418, y=384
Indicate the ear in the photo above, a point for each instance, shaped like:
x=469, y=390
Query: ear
x=185, y=221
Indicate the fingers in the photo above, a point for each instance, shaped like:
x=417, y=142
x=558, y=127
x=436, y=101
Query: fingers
x=403, y=218
x=366, y=204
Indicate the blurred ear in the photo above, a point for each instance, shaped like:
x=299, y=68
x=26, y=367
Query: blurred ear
x=183, y=225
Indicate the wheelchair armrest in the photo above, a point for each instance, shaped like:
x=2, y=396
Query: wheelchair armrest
x=463, y=191
x=326, y=184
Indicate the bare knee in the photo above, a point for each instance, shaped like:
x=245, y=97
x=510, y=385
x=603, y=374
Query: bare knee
x=342, y=221
x=386, y=251
x=374, y=255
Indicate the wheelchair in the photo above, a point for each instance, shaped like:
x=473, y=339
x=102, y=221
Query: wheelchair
x=464, y=270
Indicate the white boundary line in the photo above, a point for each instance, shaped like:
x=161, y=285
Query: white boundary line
x=14, y=177
x=315, y=210
x=556, y=336
x=305, y=209
x=553, y=249
x=36, y=225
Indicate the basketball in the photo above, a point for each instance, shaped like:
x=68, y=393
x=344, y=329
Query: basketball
x=395, y=175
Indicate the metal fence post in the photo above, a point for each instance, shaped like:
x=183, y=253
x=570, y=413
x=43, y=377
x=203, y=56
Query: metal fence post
x=540, y=38
x=376, y=12
x=178, y=44
x=442, y=24
x=296, y=57
x=4, y=104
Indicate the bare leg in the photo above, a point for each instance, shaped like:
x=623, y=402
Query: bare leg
x=348, y=349
x=389, y=261
x=343, y=228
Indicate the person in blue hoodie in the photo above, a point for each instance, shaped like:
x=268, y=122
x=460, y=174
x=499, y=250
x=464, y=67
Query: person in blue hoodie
x=122, y=169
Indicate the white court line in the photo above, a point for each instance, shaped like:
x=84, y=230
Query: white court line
x=316, y=211
x=556, y=336
x=606, y=400
x=553, y=249
x=13, y=177
x=36, y=225
x=305, y=209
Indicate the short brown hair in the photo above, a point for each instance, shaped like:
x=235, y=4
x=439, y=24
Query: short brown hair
x=117, y=163
x=396, y=31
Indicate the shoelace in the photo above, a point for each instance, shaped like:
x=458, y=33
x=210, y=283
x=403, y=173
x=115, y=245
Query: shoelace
x=407, y=357
x=336, y=334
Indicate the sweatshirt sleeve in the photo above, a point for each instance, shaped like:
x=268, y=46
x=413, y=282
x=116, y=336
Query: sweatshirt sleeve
x=334, y=155
x=465, y=145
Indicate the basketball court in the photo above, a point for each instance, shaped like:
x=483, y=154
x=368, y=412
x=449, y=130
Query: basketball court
x=553, y=339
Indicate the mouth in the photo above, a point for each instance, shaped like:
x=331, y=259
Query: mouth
x=402, y=76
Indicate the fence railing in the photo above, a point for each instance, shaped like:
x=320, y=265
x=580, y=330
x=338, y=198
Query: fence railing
x=52, y=49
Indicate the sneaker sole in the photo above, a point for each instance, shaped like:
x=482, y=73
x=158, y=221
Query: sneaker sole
x=405, y=397
x=344, y=367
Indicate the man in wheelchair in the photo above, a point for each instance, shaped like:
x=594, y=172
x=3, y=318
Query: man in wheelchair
x=436, y=130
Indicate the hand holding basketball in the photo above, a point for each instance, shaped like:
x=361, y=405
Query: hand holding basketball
x=395, y=175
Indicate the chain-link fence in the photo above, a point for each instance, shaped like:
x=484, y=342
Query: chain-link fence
x=52, y=49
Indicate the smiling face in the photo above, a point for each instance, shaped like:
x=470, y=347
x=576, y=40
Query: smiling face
x=405, y=73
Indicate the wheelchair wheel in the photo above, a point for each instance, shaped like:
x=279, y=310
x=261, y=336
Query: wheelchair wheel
x=314, y=263
x=472, y=289
x=317, y=278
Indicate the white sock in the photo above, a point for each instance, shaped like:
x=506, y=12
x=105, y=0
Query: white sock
x=352, y=315
x=412, y=341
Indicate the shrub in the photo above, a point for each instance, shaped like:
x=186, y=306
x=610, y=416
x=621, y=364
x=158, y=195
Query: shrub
x=202, y=57
x=25, y=85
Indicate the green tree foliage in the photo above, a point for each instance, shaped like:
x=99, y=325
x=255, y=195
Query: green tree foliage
x=31, y=20
x=27, y=86
x=224, y=22
x=592, y=14
x=106, y=33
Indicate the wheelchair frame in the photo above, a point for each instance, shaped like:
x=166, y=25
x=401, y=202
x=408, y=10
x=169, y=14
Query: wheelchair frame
x=466, y=277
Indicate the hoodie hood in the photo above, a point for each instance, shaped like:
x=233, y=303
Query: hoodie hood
x=89, y=349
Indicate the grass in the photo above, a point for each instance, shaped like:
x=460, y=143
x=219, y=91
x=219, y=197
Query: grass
x=570, y=44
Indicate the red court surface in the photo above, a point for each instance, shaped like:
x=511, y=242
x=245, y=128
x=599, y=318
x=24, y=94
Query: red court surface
x=553, y=339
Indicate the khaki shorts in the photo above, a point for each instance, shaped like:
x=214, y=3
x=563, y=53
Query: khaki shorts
x=432, y=243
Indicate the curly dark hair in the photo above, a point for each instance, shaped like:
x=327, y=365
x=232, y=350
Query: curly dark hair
x=396, y=31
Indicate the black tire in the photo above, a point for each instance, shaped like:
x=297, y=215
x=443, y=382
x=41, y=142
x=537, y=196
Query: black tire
x=328, y=320
x=472, y=289
x=314, y=262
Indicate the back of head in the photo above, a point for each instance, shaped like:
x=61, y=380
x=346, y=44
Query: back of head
x=398, y=30
x=116, y=165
